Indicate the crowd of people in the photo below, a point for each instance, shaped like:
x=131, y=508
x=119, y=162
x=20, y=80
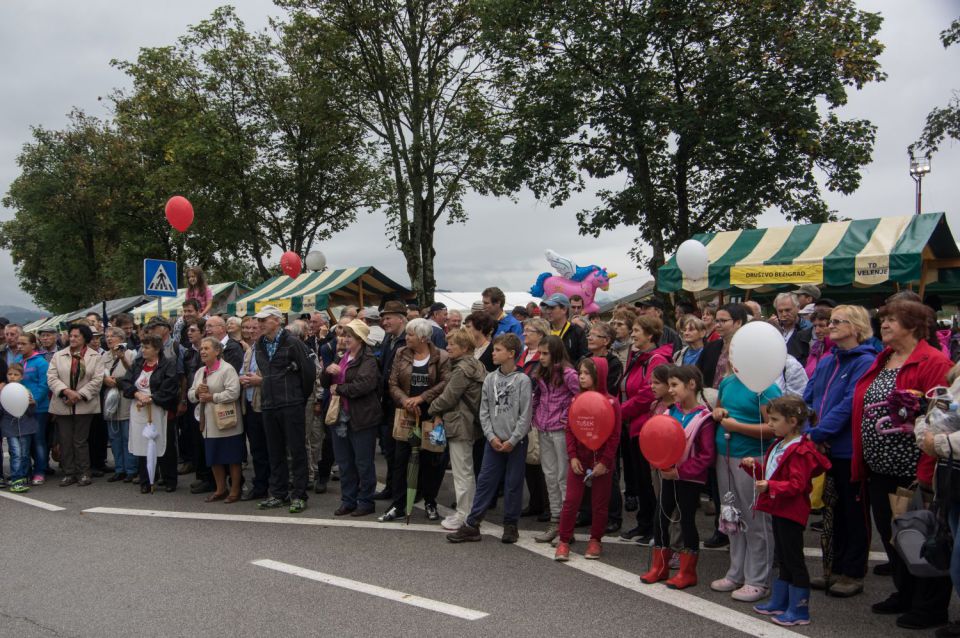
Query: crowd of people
x=296, y=396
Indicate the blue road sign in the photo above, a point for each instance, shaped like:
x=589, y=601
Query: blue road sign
x=159, y=278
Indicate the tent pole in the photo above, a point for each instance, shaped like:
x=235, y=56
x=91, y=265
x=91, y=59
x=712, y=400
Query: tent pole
x=747, y=296
x=923, y=277
x=361, y=292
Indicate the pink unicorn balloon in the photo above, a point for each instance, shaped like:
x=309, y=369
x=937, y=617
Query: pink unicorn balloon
x=583, y=281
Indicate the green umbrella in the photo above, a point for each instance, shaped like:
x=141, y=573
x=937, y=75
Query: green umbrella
x=413, y=467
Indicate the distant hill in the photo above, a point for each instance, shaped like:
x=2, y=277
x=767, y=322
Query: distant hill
x=18, y=314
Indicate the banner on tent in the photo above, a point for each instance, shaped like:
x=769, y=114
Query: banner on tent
x=776, y=274
x=283, y=305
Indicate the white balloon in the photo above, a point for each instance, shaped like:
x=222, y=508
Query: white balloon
x=692, y=259
x=758, y=355
x=316, y=260
x=15, y=399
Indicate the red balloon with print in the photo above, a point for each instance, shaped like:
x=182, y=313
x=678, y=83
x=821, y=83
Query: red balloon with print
x=592, y=419
x=291, y=264
x=662, y=441
x=179, y=213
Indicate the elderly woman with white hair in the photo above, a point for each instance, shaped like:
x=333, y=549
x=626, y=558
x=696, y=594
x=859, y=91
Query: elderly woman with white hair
x=235, y=331
x=419, y=374
x=216, y=387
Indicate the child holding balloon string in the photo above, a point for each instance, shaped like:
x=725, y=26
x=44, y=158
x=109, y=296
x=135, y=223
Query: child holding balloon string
x=663, y=401
x=19, y=431
x=682, y=479
x=591, y=463
x=783, y=485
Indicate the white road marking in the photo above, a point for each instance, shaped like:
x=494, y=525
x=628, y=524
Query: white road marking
x=252, y=518
x=374, y=590
x=26, y=500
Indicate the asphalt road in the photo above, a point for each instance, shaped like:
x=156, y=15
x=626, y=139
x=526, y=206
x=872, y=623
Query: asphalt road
x=80, y=573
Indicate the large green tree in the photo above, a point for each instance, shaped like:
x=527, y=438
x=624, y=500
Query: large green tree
x=707, y=112
x=418, y=87
x=252, y=126
x=944, y=121
x=70, y=239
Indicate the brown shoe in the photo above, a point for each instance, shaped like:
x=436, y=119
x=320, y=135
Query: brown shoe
x=232, y=498
x=845, y=587
x=215, y=497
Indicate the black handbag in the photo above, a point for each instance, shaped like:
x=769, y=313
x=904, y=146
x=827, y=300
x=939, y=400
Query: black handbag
x=938, y=547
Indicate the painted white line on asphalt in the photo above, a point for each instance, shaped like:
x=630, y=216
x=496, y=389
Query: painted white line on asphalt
x=374, y=590
x=747, y=623
x=252, y=518
x=816, y=552
x=26, y=500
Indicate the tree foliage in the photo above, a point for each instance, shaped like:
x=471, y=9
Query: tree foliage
x=712, y=112
x=944, y=121
x=418, y=87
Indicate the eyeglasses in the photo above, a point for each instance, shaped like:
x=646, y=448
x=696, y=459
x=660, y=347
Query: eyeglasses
x=837, y=322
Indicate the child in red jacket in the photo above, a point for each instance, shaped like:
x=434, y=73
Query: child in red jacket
x=599, y=464
x=783, y=488
x=681, y=484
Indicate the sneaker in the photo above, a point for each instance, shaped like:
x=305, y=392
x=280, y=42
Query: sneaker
x=432, y=513
x=548, y=534
x=84, y=481
x=19, y=486
x=510, y=534
x=297, y=505
x=563, y=552
x=271, y=503
x=594, y=548
x=645, y=540
x=749, y=594
x=452, y=522
x=631, y=533
x=38, y=479
x=466, y=534
x=724, y=584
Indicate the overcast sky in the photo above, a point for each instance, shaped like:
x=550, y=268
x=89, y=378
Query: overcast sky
x=56, y=56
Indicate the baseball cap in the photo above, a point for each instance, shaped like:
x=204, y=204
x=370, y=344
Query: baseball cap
x=556, y=299
x=371, y=313
x=808, y=289
x=268, y=311
x=652, y=302
x=437, y=306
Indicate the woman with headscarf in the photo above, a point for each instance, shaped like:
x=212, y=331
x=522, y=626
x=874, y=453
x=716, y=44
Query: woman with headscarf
x=74, y=377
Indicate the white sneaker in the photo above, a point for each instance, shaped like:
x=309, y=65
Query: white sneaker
x=452, y=522
x=724, y=585
x=749, y=594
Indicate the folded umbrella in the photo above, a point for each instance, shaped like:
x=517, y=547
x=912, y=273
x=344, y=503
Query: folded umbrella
x=150, y=433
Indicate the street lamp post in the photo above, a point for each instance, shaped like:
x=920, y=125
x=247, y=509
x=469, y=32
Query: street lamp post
x=919, y=166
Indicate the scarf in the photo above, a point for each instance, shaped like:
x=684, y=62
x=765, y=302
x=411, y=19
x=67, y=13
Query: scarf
x=77, y=369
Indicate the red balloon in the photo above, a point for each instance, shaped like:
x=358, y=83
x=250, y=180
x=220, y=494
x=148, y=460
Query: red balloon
x=290, y=264
x=662, y=441
x=591, y=419
x=179, y=213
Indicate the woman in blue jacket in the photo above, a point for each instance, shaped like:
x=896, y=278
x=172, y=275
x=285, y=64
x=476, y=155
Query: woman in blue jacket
x=830, y=395
x=35, y=380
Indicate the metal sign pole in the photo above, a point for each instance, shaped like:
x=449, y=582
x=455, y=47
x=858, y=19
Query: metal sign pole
x=159, y=306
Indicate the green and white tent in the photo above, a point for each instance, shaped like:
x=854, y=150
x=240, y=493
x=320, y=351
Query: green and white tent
x=865, y=252
x=363, y=285
x=172, y=306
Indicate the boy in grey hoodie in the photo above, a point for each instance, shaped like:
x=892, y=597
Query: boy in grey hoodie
x=505, y=419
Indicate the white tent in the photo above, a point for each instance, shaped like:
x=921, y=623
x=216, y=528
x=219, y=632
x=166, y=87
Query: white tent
x=463, y=300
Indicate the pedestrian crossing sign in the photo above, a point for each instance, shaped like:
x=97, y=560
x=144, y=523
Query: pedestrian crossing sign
x=159, y=278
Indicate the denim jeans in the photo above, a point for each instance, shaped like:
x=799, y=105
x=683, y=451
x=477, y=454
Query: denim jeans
x=20, y=455
x=123, y=461
x=955, y=559
x=496, y=467
x=355, y=457
x=39, y=449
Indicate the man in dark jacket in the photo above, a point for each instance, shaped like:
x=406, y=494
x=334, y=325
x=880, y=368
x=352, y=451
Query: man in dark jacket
x=655, y=306
x=555, y=309
x=288, y=377
x=393, y=320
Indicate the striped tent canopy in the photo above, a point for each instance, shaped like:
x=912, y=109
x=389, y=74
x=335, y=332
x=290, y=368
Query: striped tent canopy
x=172, y=306
x=863, y=252
x=314, y=291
